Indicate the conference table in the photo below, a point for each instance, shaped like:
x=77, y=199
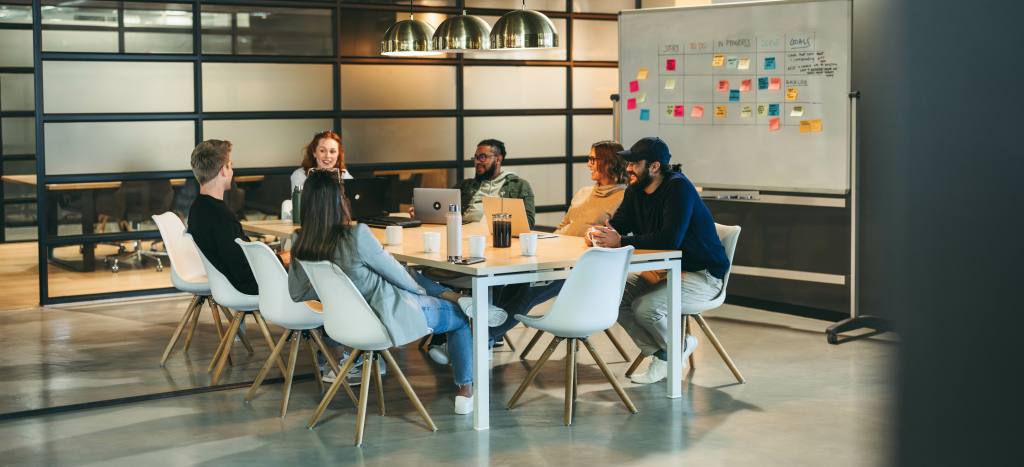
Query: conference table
x=554, y=260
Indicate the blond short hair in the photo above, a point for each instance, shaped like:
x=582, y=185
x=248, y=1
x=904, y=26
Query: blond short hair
x=208, y=158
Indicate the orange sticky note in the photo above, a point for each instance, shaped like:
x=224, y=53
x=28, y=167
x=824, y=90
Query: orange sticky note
x=723, y=85
x=642, y=74
x=816, y=126
x=773, y=124
x=810, y=126
x=745, y=85
x=720, y=111
x=697, y=111
x=791, y=94
x=775, y=84
x=718, y=60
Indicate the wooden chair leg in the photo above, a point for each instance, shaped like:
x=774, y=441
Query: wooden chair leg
x=570, y=375
x=334, y=365
x=177, y=331
x=718, y=346
x=377, y=381
x=511, y=346
x=192, y=329
x=425, y=342
x=529, y=346
x=317, y=375
x=338, y=382
x=226, y=345
x=243, y=336
x=408, y=390
x=265, y=330
x=617, y=344
x=289, y=375
x=636, y=364
x=214, y=310
x=364, y=394
x=611, y=379
x=266, y=367
x=533, y=372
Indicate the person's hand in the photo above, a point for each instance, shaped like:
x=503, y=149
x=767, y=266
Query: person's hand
x=607, y=237
x=412, y=212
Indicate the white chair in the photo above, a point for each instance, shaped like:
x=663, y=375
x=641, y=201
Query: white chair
x=588, y=303
x=349, y=320
x=729, y=235
x=228, y=296
x=299, y=320
x=187, y=275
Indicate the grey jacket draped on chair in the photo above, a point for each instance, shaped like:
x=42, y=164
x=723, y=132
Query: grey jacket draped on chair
x=382, y=281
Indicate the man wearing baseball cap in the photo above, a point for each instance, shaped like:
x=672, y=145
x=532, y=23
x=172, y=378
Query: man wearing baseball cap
x=662, y=210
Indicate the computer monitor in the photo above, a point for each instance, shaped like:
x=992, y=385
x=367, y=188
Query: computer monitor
x=431, y=204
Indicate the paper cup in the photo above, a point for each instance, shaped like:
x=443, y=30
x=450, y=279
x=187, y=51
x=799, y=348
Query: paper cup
x=394, y=234
x=431, y=242
x=528, y=244
x=477, y=243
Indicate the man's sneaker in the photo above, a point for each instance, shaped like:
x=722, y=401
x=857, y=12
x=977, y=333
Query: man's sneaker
x=463, y=405
x=495, y=317
x=658, y=370
x=691, y=345
x=499, y=342
x=439, y=354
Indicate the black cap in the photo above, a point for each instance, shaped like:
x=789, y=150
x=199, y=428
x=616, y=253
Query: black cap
x=648, y=149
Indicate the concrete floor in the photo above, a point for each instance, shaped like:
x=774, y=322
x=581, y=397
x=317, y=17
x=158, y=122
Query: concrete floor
x=804, y=403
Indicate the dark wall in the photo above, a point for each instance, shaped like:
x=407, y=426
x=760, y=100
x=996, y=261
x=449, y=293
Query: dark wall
x=941, y=206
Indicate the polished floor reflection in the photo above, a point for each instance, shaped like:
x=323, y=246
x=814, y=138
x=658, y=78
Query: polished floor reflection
x=805, y=402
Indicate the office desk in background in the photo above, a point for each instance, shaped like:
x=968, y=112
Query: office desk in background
x=555, y=258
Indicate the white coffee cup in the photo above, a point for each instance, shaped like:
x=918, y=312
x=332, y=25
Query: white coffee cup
x=394, y=234
x=528, y=244
x=431, y=242
x=477, y=243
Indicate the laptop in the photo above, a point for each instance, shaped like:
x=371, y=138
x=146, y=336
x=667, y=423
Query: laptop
x=368, y=201
x=431, y=204
x=513, y=206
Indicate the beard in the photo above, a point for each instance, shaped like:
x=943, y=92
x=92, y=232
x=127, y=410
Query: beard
x=487, y=174
x=641, y=179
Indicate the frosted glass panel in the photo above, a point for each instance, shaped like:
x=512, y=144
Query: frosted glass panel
x=102, y=87
x=19, y=135
x=595, y=40
x=523, y=136
x=671, y=3
x=16, y=14
x=546, y=5
x=270, y=30
x=117, y=147
x=398, y=139
x=157, y=43
x=16, y=91
x=80, y=41
x=235, y=87
x=602, y=6
x=592, y=87
x=541, y=54
x=17, y=47
x=266, y=143
x=492, y=87
x=382, y=87
x=580, y=176
x=547, y=181
x=589, y=129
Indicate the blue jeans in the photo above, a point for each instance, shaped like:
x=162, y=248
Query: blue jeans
x=519, y=299
x=446, y=317
x=433, y=289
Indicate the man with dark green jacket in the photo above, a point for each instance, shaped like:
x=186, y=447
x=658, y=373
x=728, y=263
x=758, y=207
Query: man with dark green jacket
x=491, y=180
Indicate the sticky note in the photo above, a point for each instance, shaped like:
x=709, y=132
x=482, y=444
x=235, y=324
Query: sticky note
x=805, y=126
x=723, y=85
x=762, y=83
x=762, y=110
x=634, y=86
x=720, y=111
x=791, y=94
x=734, y=95
x=645, y=114
x=697, y=111
x=670, y=64
x=642, y=97
x=679, y=111
x=769, y=63
x=670, y=84
x=744, y=64
x=773, y=110
x=746, y=112
x=776, y=84
x=642, y=74
x=797, y=111
x=816, y=125
x=731, y=62
x=773, y=124
x=718, y=60
x=631, y=103
x=669, y=110
x=745, y=85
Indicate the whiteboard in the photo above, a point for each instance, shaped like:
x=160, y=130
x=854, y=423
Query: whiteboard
x=747, y=95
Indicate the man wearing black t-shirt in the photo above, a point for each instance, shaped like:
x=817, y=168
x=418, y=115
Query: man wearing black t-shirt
x=212, y=224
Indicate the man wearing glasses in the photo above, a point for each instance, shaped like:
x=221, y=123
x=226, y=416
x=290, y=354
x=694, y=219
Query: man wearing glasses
x=491, y=180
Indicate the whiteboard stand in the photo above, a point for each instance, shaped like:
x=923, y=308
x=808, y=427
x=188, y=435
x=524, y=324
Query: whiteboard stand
x=856, y=320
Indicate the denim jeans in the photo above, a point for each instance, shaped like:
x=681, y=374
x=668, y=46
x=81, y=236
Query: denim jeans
x=519, y=299
x=446, y=317
x=433, y=288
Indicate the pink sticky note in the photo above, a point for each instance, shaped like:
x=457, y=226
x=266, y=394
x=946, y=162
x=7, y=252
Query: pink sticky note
x=670, y=64
x=775, y=84
x=723, y=85
x=631, y=103
x=634, y=86
x=773, y=124
x=679, y=111
x=697, y=111
x=745, y=85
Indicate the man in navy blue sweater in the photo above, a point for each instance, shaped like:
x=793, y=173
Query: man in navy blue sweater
x=662, y=210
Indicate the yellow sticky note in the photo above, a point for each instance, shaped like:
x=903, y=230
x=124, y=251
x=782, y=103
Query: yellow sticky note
x=798, y=111
x=810, y=126
x=670, y=84
x=744, y=64
x=718, y=60
x=720, y=111
x=791, y=94
x=642, y=74
x=816, y=126
x=642, y=97
x=747, y=112
x=762, y=110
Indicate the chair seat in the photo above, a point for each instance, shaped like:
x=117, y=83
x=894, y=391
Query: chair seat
x=700, y=307
x=194, y=285
x=305, y=320
x=537, y=322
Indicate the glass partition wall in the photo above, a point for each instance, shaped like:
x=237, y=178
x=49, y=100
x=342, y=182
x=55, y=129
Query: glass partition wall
x=103, y=102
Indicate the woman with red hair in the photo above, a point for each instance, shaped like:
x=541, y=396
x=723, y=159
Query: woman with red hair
x=324, y=152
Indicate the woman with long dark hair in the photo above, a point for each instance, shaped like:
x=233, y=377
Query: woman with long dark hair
x=409, y=306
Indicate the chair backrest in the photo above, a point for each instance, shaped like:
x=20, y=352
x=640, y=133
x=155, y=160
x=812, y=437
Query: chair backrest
x=729, y=236
x=183, y=254
x=276, y=303
x=223, y=292
x=348, y=319
x=286, y=210
x=589, y=299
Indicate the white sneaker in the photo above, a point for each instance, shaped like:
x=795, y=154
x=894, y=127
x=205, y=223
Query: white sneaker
x=691, y=345
x=353, y=378
x=658, y=369
x=495, y=317
x=439, y=354
x=463, y=405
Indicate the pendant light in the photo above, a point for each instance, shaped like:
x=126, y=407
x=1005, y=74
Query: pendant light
x=408, y=38
x=462, y=33
x=523, y=29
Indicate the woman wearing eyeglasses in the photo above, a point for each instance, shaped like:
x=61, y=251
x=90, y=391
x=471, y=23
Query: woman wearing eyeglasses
x=409, y=306
x=325, y=152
